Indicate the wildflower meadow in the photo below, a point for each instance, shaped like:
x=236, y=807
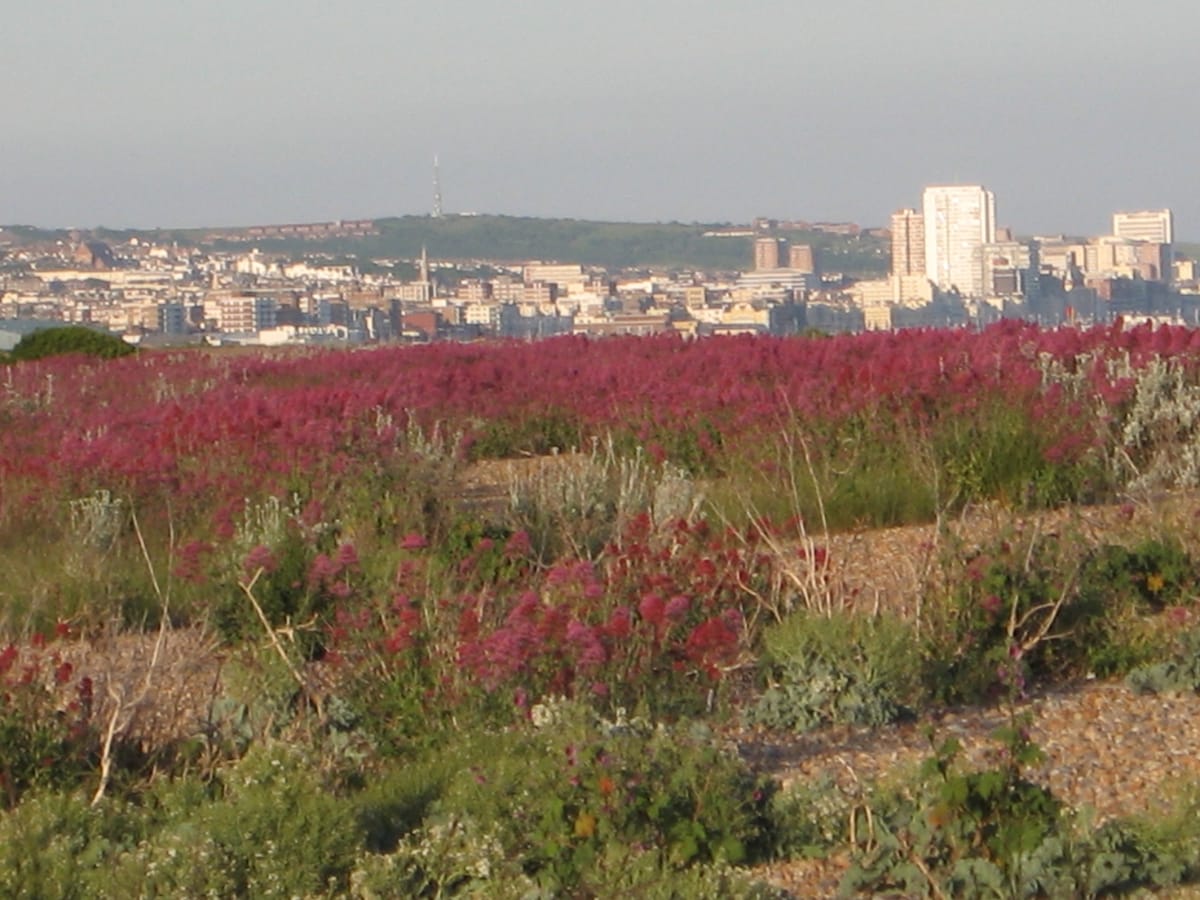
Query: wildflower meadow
x=480, y=618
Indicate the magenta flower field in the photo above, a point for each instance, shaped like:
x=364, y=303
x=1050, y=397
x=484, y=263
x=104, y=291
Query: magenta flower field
x=206, y=426
x=313, y=473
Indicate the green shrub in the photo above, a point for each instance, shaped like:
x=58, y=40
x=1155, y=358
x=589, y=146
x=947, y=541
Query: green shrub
x=70, y=339
x=452, y=858
x=270, y=829
x=1041, y=607
x=844, y=669
x=395, y=801
x=994, y=833
x=577, y=505
x=59, y=847
x=530, y=434
x=811, y=818
x=1151, y=575
x=961, y=833
x=457, y=859
x=1180, y=674
x=563, y=794
x=296, y=580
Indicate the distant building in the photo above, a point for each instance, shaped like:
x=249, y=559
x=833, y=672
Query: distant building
x=766, y=253
x=483, y=314
x=1153, y=261
x=1154, y=230
x=778, y=283
x=246, y=314
x=1154, y=225
x=172, y=318
x=1009, y=269
x=908, y=242
x=878, y=317
x=801, y=258
x=540, y=292
x=959, y=220
x=569, y=279
x=474, y=291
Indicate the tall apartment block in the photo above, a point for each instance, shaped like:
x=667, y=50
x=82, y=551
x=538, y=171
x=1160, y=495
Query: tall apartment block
x=766, y=253
x=908, y=242
x=959, y=220
x=801, y=258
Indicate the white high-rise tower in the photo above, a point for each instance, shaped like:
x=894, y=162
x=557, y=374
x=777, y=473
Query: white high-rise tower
x=959, y=220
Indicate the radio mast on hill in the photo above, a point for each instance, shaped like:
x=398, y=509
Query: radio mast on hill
x=437, y=190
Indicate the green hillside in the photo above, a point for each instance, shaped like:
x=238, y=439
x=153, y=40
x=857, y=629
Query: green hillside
x=614, y=245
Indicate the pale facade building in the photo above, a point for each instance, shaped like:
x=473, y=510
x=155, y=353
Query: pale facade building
x=246, y=314
x=775, y=283
x=908, y=242
x=1154, y=225
x=895, y=290
x=877, y=318
x=569, y=278
x=1010, y=269
x=959, y=220
x=880, y=292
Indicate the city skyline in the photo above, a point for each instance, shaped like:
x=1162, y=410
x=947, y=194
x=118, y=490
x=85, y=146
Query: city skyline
x=154, y=115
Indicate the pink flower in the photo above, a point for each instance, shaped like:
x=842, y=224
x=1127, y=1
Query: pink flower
x=518, y=544
x=677, y=608
x=413, y=541
x=260, y=558
x=589, y=649
x=347, y=557
x=619, y=623
x=190, y=567
x=652, y=609
x=322, y=570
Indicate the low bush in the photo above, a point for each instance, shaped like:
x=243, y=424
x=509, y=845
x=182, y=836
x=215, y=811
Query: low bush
x=267, y=827
x=1178, y=674
x=994, y=833
x=70, y=339
x=56, y=846
x=841, y=669
x=565, y=794
x=812, y=818
x=1034, y=607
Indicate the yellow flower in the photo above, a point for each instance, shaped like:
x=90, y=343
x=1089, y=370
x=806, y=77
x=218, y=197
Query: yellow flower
x=1154, y=583
x=585, y=825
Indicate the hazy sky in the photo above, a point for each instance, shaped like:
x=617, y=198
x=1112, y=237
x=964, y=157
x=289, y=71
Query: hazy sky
x=169, y=113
